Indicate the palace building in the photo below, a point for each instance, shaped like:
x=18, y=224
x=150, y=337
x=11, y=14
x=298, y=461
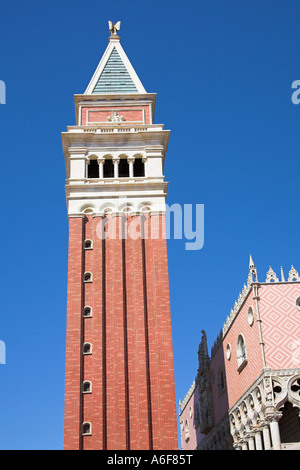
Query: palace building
x=246, y=393
x=119, y=383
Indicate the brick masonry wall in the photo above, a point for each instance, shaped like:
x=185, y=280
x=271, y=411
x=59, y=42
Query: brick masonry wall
x=139, y=422
x=160, y=339
x=93, y=333
x=73, y=396
x=115, y=360
x=132, y=404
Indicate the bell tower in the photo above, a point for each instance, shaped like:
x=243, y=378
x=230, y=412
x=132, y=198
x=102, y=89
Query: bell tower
x=119, y=384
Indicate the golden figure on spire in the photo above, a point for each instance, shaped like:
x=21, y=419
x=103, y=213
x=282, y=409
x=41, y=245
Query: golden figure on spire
x=113, y=28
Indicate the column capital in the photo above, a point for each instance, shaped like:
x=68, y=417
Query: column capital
x=272, y=416
x=244, y=444
x=257, y=428
x=237, y=446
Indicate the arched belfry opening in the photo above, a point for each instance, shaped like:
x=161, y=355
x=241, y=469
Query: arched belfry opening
x=93, y=169
x=108, y=168
x=138, y=167
x=123, y=168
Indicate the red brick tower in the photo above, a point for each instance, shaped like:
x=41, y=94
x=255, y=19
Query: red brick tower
x=119, y=387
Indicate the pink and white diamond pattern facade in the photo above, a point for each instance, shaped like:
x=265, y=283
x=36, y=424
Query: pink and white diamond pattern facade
x=246, y=395
x=281, y=324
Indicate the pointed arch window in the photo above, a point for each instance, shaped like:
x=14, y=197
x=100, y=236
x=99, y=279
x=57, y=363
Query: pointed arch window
x=187, y=431
x=221, y=380
x=241, y=353
x=289, y=424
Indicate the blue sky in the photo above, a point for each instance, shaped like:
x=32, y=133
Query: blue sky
x=222, y=72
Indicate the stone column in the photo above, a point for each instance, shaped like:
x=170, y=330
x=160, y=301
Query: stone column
x=267, y=438
x=144, y=160
x=244, y=445
x=101, y=164
x=130, y=161
x=116, y=167
x=275, y=433
x=266, y=435
x=258, y=439
x=251, y=442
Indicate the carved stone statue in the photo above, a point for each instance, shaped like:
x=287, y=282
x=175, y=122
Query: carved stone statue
x=203, y=382
x=115, y=117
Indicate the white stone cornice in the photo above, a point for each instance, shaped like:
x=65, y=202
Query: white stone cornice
x=123, y=99
x=78, y=215
x=76, y=143
x=76, y=151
